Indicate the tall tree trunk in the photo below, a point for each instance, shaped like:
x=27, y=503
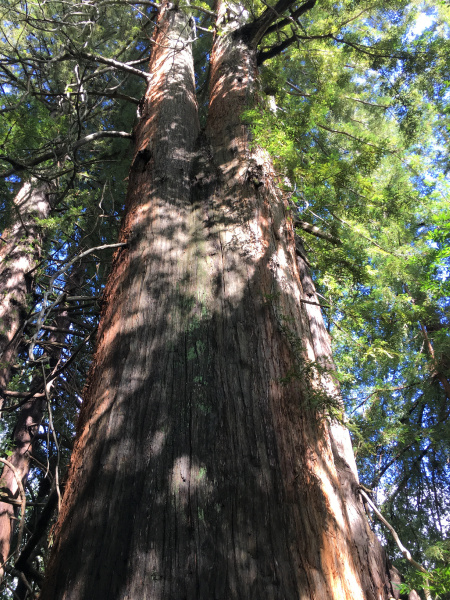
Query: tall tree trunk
x=204, y=466
x=19, y=253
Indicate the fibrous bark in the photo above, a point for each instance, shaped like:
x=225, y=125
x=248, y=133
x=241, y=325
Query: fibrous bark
x=205, y=467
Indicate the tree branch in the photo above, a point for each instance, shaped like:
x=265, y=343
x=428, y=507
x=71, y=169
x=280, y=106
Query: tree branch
x=406, y=553
x=352, y=137
x=298, y=91
x=254, y=32
x=100, y=134
x=383, y=106
x=141, y=3
x=39, y=531
x=275, y=50
x=59, y=151
x=296, y=14
x=11, y=394
x=313, y=230
x=112, y=63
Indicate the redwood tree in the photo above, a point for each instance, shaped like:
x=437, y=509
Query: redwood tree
x=206, y=463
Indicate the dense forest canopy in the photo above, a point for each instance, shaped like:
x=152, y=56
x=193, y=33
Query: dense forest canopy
x=353, y=109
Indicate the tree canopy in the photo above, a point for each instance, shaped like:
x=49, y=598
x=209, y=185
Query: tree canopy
x=353, y=108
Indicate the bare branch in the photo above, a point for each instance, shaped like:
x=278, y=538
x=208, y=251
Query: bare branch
x=101, y=134
x=313, y=230
x=46, y=309
x=314, y=303
x=349, y=135
x=254, y=32
x=113, y=63
x=55, y=439
x=59, y=151
x=406, y=553
x=38, y=533
x=383, y=106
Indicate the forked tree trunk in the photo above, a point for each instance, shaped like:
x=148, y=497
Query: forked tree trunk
x=203, y=468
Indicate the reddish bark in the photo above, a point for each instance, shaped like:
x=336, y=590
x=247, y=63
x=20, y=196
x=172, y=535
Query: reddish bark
x=204, y=466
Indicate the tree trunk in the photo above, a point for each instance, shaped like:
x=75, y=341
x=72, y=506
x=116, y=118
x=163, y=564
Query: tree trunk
x=19, y=253
x=204, y=466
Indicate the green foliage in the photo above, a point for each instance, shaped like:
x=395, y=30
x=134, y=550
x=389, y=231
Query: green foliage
x=437, y=582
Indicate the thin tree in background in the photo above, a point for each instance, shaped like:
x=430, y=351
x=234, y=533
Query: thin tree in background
x=20, y=251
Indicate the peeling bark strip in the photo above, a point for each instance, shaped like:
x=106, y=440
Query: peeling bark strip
x=204, y=467
x=18, y=256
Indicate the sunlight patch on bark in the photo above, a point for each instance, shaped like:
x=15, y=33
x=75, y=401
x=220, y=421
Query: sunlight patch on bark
x=157, y=442
x=186, y=478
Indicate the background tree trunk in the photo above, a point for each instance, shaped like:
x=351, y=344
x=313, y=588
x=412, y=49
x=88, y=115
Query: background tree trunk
x=19, y=253
x=27, y=425
x=204, y=465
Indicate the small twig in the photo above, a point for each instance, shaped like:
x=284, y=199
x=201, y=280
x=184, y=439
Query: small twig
x=380, y=390
x=59, y=150
x=349, y=135
x=210, y=13
x=72, y=357
x=54, y=376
